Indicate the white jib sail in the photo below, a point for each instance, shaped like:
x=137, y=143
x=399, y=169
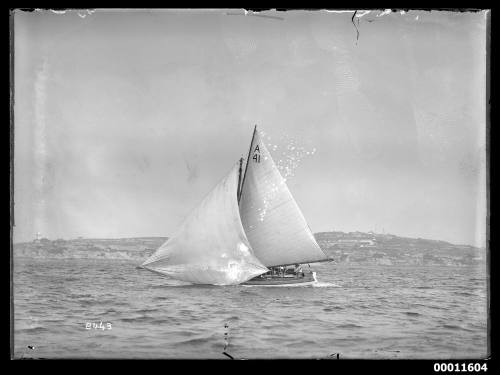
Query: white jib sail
x=210, y=247
x=274, y=224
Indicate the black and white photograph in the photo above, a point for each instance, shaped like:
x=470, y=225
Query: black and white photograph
x=237, y=184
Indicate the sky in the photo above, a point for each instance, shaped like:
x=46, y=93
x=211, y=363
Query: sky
x=125, y=119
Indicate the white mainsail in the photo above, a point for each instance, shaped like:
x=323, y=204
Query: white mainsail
x=210, y=247
x=273, y=223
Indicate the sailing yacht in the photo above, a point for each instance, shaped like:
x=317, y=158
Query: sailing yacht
x=247, y=230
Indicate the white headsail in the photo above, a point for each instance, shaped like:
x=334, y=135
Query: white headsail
x=210, y=247
x=274, y=224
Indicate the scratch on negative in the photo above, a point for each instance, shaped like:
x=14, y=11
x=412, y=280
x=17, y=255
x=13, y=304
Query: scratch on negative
x=255, y=15
x=230, y=356
x=226, y=340
x=352, y=20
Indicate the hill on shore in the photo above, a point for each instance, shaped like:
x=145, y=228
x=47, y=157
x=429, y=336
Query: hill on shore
x=388, y=249
x=352, y=247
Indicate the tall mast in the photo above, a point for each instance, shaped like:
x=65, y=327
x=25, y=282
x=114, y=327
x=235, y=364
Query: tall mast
x=239, y=180
x=246, y=165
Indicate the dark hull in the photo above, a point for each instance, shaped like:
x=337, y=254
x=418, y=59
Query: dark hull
x=289, y=280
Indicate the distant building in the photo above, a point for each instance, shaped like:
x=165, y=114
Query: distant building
x=367, y=243
x=363, y=243
x=38, y=237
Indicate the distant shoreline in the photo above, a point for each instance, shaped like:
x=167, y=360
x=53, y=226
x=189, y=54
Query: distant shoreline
x=353, y=235
x=352, y=247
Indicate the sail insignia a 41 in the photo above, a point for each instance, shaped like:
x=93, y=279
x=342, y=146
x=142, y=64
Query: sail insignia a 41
x=245, y=227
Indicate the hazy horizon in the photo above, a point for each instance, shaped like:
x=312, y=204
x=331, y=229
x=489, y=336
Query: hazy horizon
x=124, y=120
x=136, y=237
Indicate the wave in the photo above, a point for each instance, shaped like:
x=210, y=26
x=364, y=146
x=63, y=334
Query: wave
x=456, y=328
x=349, y=325
x=333, y=308
x=166, y=321
x=181, y=284
x=411, y=313
x=152, y=320
x=321, y=284
x=97, y=301
x=139, y=319
x=465, y=294
x=72, y=279
x=145, y=311
x=161, y=298
x=34, y=329
x=198, y=341
x=301, y=343
x=75, y=295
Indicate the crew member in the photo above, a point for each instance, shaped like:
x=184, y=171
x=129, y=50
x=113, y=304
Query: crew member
x=298, y=270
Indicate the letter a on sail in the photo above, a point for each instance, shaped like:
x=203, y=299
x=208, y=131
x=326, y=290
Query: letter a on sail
x=272, y=220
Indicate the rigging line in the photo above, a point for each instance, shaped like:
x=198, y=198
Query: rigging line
x=291, y=264
x=246, y=165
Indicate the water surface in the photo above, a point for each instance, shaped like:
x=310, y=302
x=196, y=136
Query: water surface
x=357, y=311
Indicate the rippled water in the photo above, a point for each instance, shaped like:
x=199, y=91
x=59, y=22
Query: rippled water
x=357, y=311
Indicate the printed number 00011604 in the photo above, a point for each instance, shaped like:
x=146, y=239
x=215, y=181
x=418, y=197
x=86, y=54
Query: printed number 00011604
x=460, y=367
